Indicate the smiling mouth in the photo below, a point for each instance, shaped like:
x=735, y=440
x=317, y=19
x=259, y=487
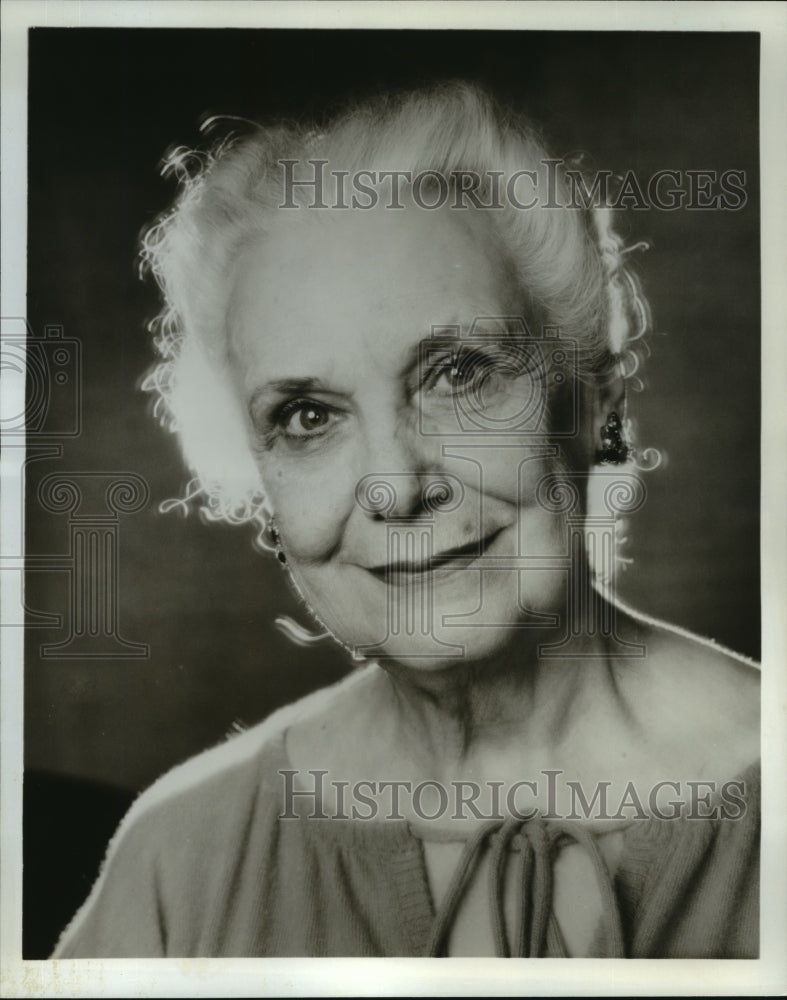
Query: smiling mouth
x=416, y=569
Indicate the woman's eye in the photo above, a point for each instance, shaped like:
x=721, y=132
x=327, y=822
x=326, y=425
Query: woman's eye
x=461, y=372
x=304, y=418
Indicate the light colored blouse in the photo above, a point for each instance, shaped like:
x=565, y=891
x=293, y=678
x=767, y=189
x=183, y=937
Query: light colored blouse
x=203, y=866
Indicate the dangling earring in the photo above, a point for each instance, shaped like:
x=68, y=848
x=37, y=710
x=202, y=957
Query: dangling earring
x=270, y=540
x=277, y=548
x=613, y=450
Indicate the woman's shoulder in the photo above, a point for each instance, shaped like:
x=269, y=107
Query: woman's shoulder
x=694, y=697
x=183, y=833
x=692, y=672
x=225, y=781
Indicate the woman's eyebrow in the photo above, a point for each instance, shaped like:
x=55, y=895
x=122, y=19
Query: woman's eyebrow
x=419, y=353
x=286, y=387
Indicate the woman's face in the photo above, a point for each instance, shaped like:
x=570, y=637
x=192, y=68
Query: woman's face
x=340, y=351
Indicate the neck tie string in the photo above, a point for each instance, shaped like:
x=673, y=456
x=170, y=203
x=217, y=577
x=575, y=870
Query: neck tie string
x=536, y=841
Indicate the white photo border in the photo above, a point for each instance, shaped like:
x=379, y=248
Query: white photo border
x=417, y=977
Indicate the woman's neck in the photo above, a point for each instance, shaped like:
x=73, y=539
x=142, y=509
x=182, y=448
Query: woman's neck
x=460, y=718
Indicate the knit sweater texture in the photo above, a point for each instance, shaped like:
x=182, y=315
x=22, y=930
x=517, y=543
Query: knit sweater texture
x=204, y=865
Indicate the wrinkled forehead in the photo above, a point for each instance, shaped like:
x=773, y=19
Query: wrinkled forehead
x=321, y=284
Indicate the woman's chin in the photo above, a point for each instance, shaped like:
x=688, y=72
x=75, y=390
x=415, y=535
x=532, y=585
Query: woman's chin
x=442, y=647
x=464, y=617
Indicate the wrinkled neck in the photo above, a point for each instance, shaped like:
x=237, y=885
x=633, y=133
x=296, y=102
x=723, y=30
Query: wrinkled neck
x=516, y=699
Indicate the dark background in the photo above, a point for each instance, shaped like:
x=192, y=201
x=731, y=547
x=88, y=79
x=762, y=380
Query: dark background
x=104, y=106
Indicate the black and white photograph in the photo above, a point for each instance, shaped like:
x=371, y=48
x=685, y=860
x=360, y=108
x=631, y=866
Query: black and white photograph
x=388, y=442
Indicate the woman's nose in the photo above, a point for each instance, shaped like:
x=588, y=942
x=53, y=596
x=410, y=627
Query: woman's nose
x=407, y=479
x=402, y=478
x=405, y=496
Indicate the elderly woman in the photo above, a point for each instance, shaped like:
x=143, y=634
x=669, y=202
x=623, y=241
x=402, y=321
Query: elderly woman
x=401, y=346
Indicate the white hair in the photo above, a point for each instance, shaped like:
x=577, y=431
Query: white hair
x=568, y=262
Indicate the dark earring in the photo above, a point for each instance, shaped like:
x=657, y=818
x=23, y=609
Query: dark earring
x=274, y=531
x=613, y=450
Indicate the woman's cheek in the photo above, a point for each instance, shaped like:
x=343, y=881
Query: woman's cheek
x=311, y=500
x=510, y=472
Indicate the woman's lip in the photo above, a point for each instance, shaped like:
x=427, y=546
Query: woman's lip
x=462, y=555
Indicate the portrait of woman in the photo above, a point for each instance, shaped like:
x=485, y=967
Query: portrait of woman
x=399, y=341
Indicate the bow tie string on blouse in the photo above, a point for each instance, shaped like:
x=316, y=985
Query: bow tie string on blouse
x=535, y=842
